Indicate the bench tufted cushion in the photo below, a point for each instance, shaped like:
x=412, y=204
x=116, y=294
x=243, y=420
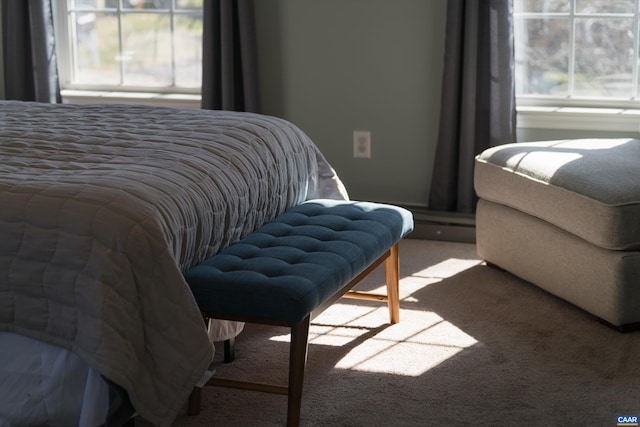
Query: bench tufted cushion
x=289, y=266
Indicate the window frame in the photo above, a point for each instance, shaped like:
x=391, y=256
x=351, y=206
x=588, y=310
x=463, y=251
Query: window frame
x=88, y=93
x=582, y=113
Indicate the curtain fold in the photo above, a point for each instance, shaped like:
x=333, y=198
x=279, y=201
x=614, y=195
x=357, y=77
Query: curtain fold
x=229, y=59
x=478, y=108
x=30, y=66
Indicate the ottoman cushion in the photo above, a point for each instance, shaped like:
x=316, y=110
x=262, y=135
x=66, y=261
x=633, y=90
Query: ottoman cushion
x=588, y=187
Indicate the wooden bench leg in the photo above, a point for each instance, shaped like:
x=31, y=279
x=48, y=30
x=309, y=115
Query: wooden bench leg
x=297, y=363
x=229, y=350
x=300, y=338
x=195, y=399
x=392, y=276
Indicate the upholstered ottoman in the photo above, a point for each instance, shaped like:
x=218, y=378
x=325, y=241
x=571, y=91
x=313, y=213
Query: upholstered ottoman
x=565, y=215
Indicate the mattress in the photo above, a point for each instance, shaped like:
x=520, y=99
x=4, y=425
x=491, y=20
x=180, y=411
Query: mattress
x=103, y=206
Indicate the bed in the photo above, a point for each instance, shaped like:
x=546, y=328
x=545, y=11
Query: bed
x=102, y=207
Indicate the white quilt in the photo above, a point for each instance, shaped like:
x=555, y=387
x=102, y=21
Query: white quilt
x=103, y=206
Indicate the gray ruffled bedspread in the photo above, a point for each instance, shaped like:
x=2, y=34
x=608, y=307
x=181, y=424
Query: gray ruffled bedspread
x=103, y=206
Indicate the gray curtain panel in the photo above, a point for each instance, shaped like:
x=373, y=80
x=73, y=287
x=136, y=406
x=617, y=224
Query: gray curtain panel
x=30, y=67
x=478, y=108
x=229, y=58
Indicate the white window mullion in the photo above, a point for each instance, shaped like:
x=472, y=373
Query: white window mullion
x=121, y=57
x=572, y=48
x=172, y=21
x=63, y=41
x=636, y=50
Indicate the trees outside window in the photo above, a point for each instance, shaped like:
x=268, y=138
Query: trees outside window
x=577, y=51
x=130, y=45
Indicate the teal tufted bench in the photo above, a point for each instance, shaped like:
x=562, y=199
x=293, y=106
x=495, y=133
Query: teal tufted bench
x=293, y=268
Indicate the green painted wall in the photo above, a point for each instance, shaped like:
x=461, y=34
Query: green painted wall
x=335, y=66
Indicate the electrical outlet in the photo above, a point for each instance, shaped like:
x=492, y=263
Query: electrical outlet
x=362, y=144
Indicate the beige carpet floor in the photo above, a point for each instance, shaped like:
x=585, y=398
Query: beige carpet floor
x=475, y=346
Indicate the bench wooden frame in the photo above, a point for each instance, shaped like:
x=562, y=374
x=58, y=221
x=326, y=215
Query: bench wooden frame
x=299, y=337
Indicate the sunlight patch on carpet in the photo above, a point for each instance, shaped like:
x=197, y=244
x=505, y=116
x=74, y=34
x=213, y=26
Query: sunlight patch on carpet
x=421, y=341
x=410, y=348
x=410, y=285
x=447, y=268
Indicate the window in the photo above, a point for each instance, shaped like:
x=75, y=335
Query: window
x=578, y=53
x=130, y=45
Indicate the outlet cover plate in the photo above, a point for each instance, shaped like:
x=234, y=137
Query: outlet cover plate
x=362, y=144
